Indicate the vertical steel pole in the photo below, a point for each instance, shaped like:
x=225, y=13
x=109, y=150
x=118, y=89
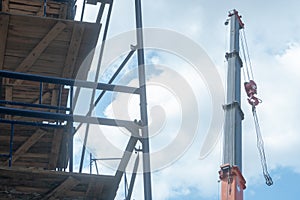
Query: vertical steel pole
x=94, y=89
x=125, y=185
x=45, y=8
x=96, y=167
x=143, y=102
x=91, y=163
x=71, y=131
x=59, y=102
x=83, y=9
x=233, y=113
x=133, y=177
x=71, y=146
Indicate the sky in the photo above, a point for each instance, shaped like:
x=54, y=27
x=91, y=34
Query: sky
x=272, y=30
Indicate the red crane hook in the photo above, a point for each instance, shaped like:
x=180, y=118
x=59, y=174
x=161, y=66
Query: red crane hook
x=251, y=91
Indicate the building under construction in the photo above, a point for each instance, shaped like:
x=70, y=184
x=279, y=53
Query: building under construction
x=45, y=58
x=42, y=49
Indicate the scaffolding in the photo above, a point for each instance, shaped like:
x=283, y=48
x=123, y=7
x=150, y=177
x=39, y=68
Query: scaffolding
x=43, y=49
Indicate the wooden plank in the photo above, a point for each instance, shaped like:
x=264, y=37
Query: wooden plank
x=28, y=8
x=28, y=2
x=18, y=140
x=55, y=4
x=63, y=11
x=20, y=12
x=56, y=142
x=40, y=12
x=72, y=55
x=6, y=139
x=54, y=99
x=64, y=187
x=27, y=189
x=4, y=21
x=51, y=86
x=52, y=11
x=45, y=96
x=29, y=143
x=20, y=29
x=35, y=7
x=45, y=184
x=35, y=155
x=37, y=51
x=94, y=190
x=43, y=44
x=35, y=165
x=8, y=92
x=5, y=5
x=8, y=96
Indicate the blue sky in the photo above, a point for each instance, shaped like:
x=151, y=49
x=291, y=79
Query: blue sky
x=272, y=29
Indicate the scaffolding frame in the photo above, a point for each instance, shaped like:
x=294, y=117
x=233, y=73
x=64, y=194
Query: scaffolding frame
x=68, y=118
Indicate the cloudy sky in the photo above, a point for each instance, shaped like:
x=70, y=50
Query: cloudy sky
x=272, y=29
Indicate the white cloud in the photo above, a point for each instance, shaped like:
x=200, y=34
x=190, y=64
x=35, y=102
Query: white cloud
x=188, y=172
x=274, y=42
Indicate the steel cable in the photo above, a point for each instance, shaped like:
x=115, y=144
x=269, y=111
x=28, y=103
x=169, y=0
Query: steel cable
x=260, y=147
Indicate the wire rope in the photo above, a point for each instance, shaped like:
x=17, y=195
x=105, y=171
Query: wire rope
x=260, y=147
x=245, y=68
x=248, y=55
x=259, y=138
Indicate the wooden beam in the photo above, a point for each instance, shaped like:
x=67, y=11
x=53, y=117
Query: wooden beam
x=5, y=5
x=8, y=97
x=28, y=2
x=54, y=99
x=51, y=86
x=22, y=7
x=73, y=50
x=94, y=190
x=63, y=188
x=63, y=11
x=8, y=93
x=56, y=143
x=45, y=96
x=4, y=21
x=41, y=11
x=38, y=50
x=29, y=143
x=54, y=96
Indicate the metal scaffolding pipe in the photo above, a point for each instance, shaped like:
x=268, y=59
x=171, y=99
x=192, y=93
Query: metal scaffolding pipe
x=40, y=124
x=69, y=82
x=34, y=105
x=143, y=102
x=68, y=117
x=94, y=89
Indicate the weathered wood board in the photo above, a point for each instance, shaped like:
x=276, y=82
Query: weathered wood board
x=35, y=147
x=17, y=183
x=43, y=46
x=53, y=9
x=44, y=43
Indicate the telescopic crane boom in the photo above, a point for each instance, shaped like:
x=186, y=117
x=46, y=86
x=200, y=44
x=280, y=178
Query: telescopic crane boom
x=232, y=180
